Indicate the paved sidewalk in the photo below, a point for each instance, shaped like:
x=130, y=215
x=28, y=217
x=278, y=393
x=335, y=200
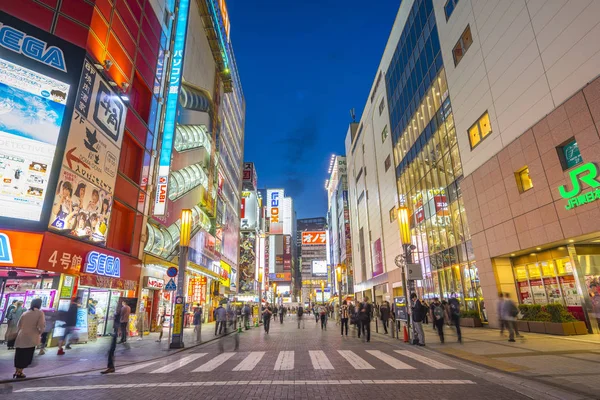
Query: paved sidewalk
x=568, y=362
x=93, y=355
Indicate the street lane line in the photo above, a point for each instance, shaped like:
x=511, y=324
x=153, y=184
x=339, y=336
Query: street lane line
x=423, y=359
x=354, y=360
x=285, y=361
x=250, y=361
x=389, y=360
x=214, y=363
x=425, y=382
x=319, y=360
x=178, y=364
x=133, y=368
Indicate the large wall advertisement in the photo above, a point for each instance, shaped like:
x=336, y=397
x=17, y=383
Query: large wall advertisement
x=319, y=268
x=38, y=78
x=247, y=263
x=274, y=210
x=314, y=238
x=249, y=211
x=84, y=195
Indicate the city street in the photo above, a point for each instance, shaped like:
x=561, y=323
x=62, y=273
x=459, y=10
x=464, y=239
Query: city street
x=287, y=363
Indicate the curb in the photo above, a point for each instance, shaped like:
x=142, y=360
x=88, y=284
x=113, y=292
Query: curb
x=6, y=383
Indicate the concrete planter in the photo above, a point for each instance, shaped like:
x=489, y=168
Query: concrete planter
x=471, y=322
x=536, y=327
x=580, y=328
x=560, y=328
x=523, y=326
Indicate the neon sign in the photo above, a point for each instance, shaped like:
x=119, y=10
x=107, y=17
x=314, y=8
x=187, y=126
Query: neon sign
x=164, y=164
x=587, y=173
x=34, y=48
x=103, y=264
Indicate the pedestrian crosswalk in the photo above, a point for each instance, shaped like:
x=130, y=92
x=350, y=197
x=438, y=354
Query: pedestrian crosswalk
x=288, y=361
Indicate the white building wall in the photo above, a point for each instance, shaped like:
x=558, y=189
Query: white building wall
x=527, y=57
x=199, y=64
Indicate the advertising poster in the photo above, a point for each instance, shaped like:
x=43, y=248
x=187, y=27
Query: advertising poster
x=377, y=258
x=80, y=209
x=32, y=107
x=230, y=235
x=247, y=263
x=319, y=268
x=314, y=238
x=274, y=210
x=83, y=199
x=287, y=253
x=249, y=211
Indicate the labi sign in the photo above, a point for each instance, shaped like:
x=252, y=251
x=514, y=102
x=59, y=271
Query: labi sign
x=588, y=174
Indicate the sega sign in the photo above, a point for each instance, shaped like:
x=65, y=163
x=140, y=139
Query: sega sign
x=5, y=250
x=103, y=264
x=34, y=48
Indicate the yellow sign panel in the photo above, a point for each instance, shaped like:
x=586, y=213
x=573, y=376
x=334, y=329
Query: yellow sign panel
x=178, y=319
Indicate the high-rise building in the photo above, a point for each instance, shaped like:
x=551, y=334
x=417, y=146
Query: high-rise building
x=338, y=222
x=526, y=104
x=313, y=259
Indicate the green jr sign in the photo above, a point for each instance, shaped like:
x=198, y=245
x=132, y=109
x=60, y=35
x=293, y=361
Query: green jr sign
x=588, y=174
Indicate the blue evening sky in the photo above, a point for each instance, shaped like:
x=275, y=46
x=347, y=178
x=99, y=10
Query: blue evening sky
x=304, y=64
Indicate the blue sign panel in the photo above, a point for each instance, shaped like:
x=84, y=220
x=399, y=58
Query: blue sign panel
x=103, y=264
x=34, y=48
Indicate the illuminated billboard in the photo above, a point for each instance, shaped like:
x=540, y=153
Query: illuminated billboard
x=319, y=268
x=38, y=78
x=249, y=211
x=314, y=238
x=274, y=210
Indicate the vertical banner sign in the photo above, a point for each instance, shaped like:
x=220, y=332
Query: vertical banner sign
x=287, y=253
x=178, y=316
x=274, y=209
x=164, y=163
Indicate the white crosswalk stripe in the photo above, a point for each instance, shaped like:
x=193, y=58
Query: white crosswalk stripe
x=135, y=367
x=214, y=363
x=250, y=361
x=356, y=361
x=285, y=361
x=178, y=364
x=423, y=359
x=319, y=360
x=389, y=360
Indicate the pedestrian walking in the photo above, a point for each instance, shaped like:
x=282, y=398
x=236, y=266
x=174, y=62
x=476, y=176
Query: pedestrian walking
x=70, y=320
x=323, y=316
x=384, y=314
x=500, y=311
x=13, y=319
x=365, y=315
x=316, y=313
x=221, y=318
x=29, y=329
x=426, y=309
x=344, y=317
x=110, y=368
x=454, y=313
x=266, y=314
x=246, y=312
x=197, y=322
x=49, y=319
x=417, y=314
x=159, y=326
x=124, y=321
x=299, y=316
x=438, y=314
x=281, y=314
x=510, y=312
x=275, y=311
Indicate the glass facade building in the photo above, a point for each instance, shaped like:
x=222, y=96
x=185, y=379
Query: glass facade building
x=427, y=162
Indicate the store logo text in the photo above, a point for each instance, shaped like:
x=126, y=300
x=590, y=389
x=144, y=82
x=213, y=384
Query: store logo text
x=31, y=47
x=102, y=264
x=589, y=174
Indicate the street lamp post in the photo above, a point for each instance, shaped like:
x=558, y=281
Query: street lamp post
x=179, y=313
x=322, y=292
x=404, y=225
x=274, y=293
x=338, y=271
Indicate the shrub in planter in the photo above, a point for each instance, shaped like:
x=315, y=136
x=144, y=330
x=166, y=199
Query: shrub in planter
x=470, y=318
x=539, y=324
x=561, y=321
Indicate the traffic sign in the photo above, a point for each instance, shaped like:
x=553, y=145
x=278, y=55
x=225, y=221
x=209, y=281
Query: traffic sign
x=171, y=272
x=171, y=286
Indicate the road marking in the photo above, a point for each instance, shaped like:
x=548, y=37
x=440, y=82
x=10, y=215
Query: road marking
x=214, y=363
x=178, y=364
x=250, y=361
x=285, y=361
x=389, y=360
x=244, y=383
x=319, y=360
x=356, y=361
x=133, y=368
x=423, y=359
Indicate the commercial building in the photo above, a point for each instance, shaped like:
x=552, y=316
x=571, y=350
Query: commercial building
x=409, y=114
x=526, y=100
x=250, y=282
x=338, y=222
x=313, y=259
x=75, y=176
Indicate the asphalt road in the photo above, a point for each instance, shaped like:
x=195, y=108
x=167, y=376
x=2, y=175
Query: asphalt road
x=288, y=363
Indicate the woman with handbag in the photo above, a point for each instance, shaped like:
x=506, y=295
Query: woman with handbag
x=13, y=320
x=30, y=327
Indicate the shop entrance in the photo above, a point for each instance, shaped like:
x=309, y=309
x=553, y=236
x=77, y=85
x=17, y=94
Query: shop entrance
x=102, y=305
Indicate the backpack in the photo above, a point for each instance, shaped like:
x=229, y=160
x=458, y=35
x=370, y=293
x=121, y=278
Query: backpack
x=300, y=311
x=438, y=311
x=454, y=307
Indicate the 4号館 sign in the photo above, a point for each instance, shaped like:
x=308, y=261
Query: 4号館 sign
x=587, y=174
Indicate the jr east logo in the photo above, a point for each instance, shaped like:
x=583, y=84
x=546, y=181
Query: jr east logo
x=588, y=174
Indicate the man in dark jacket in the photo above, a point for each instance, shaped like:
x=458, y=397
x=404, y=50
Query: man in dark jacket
x=418, y=313
x=384, y=313
x=365, y=314
x=70, y=319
